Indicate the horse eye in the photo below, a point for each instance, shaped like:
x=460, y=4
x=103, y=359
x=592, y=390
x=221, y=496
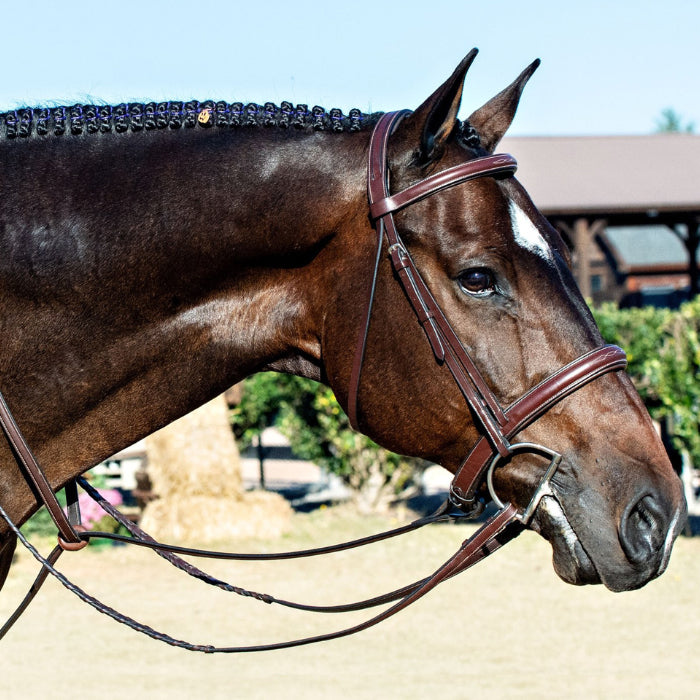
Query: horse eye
x=477, y=281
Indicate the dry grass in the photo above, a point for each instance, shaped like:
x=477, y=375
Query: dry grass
x=507, y=629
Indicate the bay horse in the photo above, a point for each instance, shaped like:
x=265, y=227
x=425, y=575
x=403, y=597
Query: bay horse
x=153, y=255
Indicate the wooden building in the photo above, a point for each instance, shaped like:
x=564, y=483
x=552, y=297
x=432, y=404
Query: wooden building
x=628, y=206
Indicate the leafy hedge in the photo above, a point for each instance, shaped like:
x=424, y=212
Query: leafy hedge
x=663, y=348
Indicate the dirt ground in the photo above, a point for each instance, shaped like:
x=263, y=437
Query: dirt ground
x=507, y=629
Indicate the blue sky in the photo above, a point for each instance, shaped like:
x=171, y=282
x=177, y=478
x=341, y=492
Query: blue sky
x=608, y=67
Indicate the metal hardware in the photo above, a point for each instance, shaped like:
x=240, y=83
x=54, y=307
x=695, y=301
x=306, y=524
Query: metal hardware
x=543, y=489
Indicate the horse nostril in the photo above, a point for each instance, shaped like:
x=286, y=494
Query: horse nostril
x=642, y=530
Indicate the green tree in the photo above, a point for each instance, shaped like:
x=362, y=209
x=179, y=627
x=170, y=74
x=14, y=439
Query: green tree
x=318, y=430
x=264, y=397
x=672, y=122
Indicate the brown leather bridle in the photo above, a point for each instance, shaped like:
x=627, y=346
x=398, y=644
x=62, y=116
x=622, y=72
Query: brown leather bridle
x=499, y=425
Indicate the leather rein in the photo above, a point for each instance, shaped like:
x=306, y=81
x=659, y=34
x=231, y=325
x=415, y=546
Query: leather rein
x=500, y=425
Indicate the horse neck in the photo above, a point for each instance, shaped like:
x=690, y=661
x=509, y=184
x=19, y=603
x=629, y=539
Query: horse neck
x=152, y=274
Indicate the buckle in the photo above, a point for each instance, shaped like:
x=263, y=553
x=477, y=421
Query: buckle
x=471, y=507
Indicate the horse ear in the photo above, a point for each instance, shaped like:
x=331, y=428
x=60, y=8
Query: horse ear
x=436, y=118
x=493, y=119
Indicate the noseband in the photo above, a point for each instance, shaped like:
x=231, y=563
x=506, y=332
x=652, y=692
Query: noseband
x=499, y=425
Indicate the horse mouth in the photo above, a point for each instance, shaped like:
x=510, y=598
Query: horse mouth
x=571, y=561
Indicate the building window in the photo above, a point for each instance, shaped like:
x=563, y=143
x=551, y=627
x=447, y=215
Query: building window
x=596, y=283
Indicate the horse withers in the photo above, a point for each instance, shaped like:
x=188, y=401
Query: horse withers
x=153, y=255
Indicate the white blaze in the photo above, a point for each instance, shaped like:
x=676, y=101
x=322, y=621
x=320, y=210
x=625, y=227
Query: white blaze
x=526, y=233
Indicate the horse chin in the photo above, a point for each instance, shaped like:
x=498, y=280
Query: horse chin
x=571, y=561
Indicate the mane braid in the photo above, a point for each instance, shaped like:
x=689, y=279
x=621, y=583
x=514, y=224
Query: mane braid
x=136, y=116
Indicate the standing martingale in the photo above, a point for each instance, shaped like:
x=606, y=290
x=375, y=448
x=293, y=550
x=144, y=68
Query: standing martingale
x=169, y=250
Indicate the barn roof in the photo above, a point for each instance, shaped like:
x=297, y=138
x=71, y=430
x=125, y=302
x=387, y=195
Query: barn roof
x=644, y=246
x=609, y=174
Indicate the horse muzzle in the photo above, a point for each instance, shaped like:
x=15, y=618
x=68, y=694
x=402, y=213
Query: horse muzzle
x=644, y=537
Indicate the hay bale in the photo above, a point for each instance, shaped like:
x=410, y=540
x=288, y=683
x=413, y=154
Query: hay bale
x=206, y=519
x=196, y=455
x=194, y=466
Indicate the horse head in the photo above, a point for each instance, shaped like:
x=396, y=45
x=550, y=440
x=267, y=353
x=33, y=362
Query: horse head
x=501, y=275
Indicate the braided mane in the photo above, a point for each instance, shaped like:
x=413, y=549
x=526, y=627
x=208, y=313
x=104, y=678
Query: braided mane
x=139, y=116
x=136, y=116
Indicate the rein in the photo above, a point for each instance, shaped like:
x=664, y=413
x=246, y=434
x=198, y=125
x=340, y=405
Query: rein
x=500, y=425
